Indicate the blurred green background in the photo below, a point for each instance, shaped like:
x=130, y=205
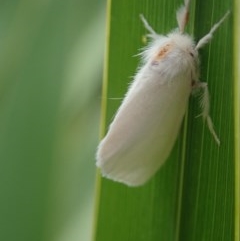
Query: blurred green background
x=51, y=59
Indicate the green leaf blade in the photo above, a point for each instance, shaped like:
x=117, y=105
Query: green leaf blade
x=192, y=195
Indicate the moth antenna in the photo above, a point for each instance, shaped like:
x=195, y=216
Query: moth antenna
x=206, y=39
x=183, y=16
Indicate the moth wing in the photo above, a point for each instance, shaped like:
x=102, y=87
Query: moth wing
x=144, y=129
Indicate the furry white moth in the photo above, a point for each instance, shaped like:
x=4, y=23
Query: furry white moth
x=146, y=125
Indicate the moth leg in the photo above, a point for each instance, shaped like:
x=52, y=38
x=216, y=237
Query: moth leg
x=207, y=38
x=205, y=106
x=152, y=34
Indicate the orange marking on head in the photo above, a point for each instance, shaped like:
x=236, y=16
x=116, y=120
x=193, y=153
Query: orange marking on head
x=162, y=53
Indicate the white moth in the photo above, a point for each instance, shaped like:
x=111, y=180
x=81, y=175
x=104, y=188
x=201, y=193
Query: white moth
x=147, y=123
